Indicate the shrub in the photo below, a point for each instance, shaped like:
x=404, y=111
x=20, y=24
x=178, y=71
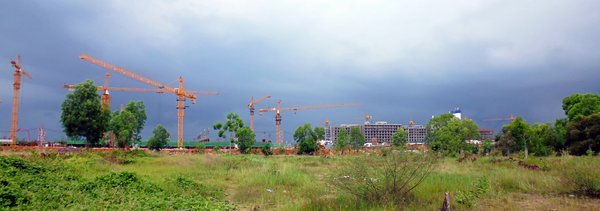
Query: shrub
x=217, y=149
x=266, y=149
x=384, y=180
x=476, y=191
x=582, y=175
x=200, y=147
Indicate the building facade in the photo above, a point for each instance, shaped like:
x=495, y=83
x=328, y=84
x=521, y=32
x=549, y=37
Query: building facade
x=379, y=132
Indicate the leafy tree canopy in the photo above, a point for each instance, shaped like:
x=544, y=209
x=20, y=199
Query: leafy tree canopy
x=357, y=140
x=584, y=135
x=577, y=106
x=232, y=123
x=159, y=139
x=82, y=114
x=123, y=124
x=341, y=142
x=306, y=139
x=138, y=109
x=245, y=139
x=399, y=137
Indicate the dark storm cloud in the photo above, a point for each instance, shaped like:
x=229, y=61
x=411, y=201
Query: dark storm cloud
x=403, y=60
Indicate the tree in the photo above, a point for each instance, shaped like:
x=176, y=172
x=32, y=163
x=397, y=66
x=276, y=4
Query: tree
x=516, y=136
x=320, y=132
x=584, y=135
x=435, y=124
x=138, y=109
x=123, y=124
x=342, y=140
x=488, y=145
x=266, y=150
x=232, y=123
x=578, y=106
x=159, y=139
x=245, y=139
x=450, y=137
x=82, y=114
x=399, y=137
x=357, y=140
x=560, y=130
x=306, y=139
x=238, y=132
x=542, y=137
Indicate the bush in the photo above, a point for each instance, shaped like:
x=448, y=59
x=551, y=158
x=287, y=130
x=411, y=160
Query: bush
x=217, y=149
x=583, y=175
x=200, y=147
x=476, y=191
x=384, y=180
x=266, y=149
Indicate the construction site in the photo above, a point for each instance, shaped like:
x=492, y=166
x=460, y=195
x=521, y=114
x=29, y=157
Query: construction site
x=375, y=132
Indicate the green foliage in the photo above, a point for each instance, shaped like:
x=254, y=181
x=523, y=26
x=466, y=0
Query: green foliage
x=232, y=123
x=138, y=109
x=50, y=185
x=435, y=124
x=582, y=176
x=342, y=140
x=399, y=137
x=469, y=197
x=383, y=180
x=159, y=139
x=200, y=147
x=266, y=149
x=357, y=140
x=320, y=133
x=217, y=149
x=560, y=130
x=583, y=135
x=306, y=138
x=542, y=138
x=488, y=145
x=578, y=106
x=245, y=139
x=450, y=137
x=82, y=114
x=123, y=124
x=516, y=136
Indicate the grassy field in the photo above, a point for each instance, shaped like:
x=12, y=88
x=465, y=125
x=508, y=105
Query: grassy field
x=136, y=180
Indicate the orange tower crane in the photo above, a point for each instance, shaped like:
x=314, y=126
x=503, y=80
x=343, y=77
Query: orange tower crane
x=251, y=107
x=181, y=93
x=511, y=118
x=17, y=87
x=277, y=110
x=106, y=97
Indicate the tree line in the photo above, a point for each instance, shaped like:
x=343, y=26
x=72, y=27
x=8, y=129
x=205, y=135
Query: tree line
x=84, y=118
x=576, y=134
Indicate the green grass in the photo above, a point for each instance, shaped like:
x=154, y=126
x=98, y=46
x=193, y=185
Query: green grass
x=126, y=181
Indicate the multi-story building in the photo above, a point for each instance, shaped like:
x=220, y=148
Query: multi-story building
x=486, y=133
x=379, y=132
x=416, y=133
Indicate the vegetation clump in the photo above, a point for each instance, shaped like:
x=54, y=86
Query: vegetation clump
x=384, y=180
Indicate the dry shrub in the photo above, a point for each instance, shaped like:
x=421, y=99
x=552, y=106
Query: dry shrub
x=385, y=179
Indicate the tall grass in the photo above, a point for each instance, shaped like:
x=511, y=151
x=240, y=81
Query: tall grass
x=284, y=182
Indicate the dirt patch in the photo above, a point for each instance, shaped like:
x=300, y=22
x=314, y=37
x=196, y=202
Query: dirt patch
x=521, y=201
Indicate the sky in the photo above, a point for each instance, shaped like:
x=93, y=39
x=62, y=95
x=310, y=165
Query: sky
x=403, y=60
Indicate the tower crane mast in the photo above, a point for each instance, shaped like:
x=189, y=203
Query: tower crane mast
x=16, y=63
x=277, y=110
x=251, y=107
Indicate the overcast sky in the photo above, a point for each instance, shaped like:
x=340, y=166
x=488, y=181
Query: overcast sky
x=402, y=59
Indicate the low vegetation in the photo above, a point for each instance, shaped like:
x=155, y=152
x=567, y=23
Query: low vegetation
x=133, y=180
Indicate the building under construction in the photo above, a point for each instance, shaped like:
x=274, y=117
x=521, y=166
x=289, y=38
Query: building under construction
x=379, y=132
